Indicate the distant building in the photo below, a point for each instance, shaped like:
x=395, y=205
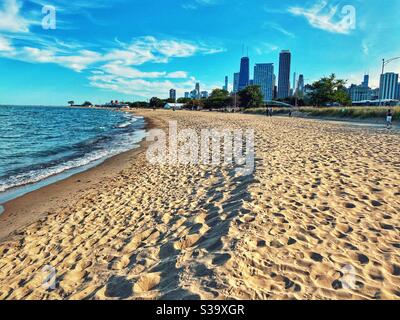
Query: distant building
x=251, y=82
x=204, y=94
x=172, y=94
x=198, y=90
x=264, y=77
x=187, y=95
x=285, y=59
x=365, y=83
x=236, y=77
x=398, y=91
x=300, y=86
x=226, y=85
x=388, y=86
x=359, y=93
x=244, y=76
x=375, y=94
x=194, y=94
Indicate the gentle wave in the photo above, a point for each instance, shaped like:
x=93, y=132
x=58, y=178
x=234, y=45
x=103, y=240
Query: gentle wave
x=28, y=166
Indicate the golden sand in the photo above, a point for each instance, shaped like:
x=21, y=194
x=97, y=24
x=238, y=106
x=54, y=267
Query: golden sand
x=323, y=204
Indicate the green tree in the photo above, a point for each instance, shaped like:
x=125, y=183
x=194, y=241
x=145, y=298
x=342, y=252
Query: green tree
x=184, y=100
x=156, y=103
x=329, y=90
x=218, y=99
x=71, y=103
x=251, y=97
x=87, y=104
x=139, y=104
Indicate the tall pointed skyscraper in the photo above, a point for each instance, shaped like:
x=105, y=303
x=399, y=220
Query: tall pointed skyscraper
x=284, y=74
x=244, y=76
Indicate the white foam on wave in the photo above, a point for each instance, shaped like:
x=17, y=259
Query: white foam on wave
x=122, y=143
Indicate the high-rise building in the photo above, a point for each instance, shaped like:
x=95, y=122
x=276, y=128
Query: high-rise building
x=236, y=77
x=198, y=95
x=285, y=59
x=300, y=86
x=365, y=83
x=204, y=94
x=244, y=76
x=398, y=91
x=360, y=93
x=172, y=94
x=388, y=86
x=294, y=83
x=251, y=82
x=194, y=94
x=187, y=95
x=226, y=85
x=264, y=77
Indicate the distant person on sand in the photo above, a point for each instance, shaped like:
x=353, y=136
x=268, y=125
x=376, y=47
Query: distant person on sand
x=290, y=113
x=389, y=119
x=270, y=112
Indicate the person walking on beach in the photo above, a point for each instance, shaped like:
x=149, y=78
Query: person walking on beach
x=270, y=112
x=389, y=119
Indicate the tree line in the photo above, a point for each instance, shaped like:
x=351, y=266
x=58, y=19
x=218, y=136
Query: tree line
x=326, y=91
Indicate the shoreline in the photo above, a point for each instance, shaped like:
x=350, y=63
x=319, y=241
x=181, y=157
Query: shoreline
x=31, y=206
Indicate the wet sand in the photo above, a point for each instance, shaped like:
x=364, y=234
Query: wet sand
x=318, y=219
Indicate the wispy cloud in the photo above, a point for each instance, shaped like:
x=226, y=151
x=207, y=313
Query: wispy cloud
x=278, y=28
x=116, y=69
x=5, y=44
x=265, y=48
x=10, y=18
x=324, y=16
x=195, y=4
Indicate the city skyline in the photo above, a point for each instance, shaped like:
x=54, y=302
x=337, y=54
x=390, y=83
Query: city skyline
x=93, y=56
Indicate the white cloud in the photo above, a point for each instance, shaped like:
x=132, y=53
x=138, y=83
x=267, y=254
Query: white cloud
x=5, y=44
x=76, y=62
x=10, y=19
x=265, y=48
x=323, y=16
x=121, y=70
x=195, y=4
x=280, y=29
x=177, y=75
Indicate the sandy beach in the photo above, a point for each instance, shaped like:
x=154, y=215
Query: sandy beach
x=318, y=219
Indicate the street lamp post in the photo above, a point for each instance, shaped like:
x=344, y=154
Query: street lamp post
x=384, y=63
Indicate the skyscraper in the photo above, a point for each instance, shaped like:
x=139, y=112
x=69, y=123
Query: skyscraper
x=187, y=95
x=398, y=91
x=284, y=74
x=198, y=90
x=365, y=83
x=172, y=94
x=264, y=77
x=236, y=82
x=300, y=86
x=388, y=86
x=225, y=87
x=244, y=76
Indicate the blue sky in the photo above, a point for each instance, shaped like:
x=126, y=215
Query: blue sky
x=136, y=49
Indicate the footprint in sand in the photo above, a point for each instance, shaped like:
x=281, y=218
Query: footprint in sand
x=119, y=287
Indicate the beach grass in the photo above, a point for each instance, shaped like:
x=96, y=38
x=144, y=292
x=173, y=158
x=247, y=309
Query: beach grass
x=352, y=112
x=335, y=112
